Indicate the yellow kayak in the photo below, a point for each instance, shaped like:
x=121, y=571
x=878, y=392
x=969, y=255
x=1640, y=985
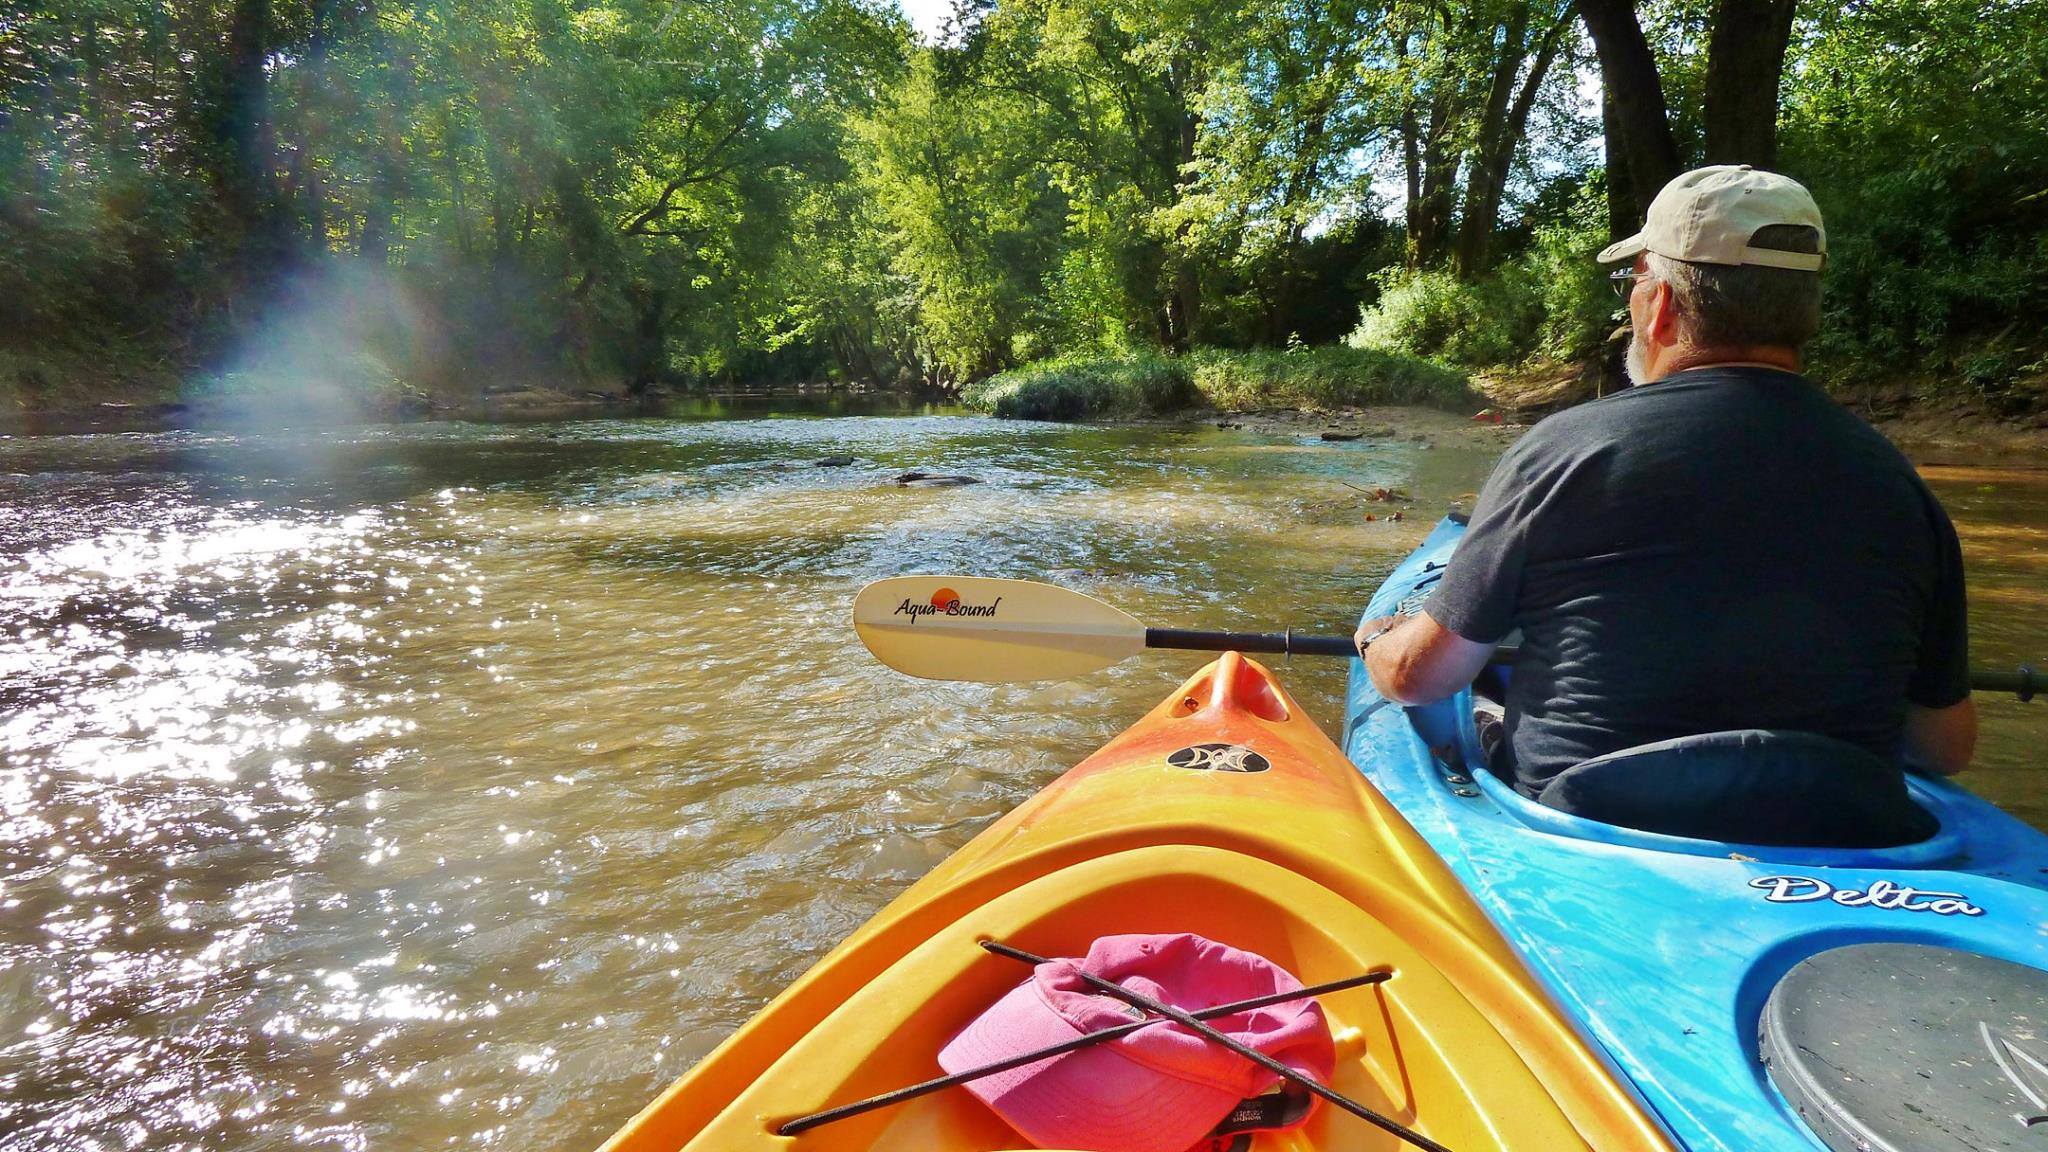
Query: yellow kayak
x=1227, y=813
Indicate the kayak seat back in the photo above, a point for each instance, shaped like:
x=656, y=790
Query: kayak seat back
x=1752, y=786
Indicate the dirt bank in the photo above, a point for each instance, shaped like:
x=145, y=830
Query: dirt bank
x=1951, y=429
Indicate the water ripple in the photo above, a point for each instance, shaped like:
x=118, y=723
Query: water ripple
x=461, y=784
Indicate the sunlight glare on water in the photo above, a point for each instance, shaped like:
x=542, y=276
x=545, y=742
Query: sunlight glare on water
x=462, y=784
x=458, y=784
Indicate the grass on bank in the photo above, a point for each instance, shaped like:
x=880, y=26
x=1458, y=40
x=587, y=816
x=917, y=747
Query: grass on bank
x=1078, y=387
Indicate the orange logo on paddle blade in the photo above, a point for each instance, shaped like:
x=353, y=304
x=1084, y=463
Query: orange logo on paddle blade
x=945, y=602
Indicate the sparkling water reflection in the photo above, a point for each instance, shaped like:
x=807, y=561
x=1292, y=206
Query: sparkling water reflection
x=460, y=784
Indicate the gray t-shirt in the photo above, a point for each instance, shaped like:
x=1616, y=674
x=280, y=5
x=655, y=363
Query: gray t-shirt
x=1726, y=548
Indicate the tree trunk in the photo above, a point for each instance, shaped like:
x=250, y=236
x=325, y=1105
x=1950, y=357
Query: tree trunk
x=1500, y=134
x=388, y=165
x=1280, y=301
x=374, y=245
x=1629, y=73
x=247, y=182
x=1623, y=216
x=1745, y=62
x=1429, y=215
x=1411, y=166
x=458, y=203
x=648, y=354
x=503, y=227
x=316, y=207
x=1487, y=169
x=312, y=193
x=865, y=345
x=1184, y=299
x=380, y=207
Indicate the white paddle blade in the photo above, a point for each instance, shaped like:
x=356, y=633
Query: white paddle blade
x=991, y=630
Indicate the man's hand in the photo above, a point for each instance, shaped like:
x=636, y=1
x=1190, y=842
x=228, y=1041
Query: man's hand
x=1373, y=629
x=1941, y=740
x=1417, y=660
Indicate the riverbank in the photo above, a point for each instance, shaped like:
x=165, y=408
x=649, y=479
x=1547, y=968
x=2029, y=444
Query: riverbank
x=1930, y=423
x=70, y=393
x=1345, y=389
x=1342, y=391
x=63, y=387
x=1149, y=384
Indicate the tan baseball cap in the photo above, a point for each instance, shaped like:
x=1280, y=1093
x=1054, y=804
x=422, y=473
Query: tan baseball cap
x=1707, y=216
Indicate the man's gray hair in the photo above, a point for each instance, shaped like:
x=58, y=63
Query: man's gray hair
x=1746, y=305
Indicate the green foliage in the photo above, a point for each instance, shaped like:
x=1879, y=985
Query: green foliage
x=580, y=190
x=1326, y=377
x=1572, y=292
x=640, y=192
x=1923, y=131
x=967, y=214
x=1081, y=387
x=1088, y=300
x=1432, y=313
x=1549, y=301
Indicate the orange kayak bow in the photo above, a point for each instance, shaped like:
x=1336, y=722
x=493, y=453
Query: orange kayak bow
x=1225, y=812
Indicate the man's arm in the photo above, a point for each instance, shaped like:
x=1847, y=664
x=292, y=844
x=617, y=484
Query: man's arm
x=1941, y=723
x=1415, y=660
x=1939, y=740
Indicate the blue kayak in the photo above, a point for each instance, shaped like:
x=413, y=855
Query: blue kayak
x=1761, y=999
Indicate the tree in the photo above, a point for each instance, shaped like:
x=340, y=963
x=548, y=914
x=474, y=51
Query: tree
x=1287, y=116
x=1640, y=127
x=1745, y=64
x=646, y=193
x=1521, y=63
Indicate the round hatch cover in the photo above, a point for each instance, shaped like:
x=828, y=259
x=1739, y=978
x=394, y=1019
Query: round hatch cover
x=1912, y=1048
x=1219, y=758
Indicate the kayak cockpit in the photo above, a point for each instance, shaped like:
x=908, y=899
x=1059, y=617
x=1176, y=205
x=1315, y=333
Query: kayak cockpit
x=1447, y=730
x=1413, y=1047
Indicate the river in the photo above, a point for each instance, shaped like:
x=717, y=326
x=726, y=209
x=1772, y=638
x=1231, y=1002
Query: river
x=460, y=784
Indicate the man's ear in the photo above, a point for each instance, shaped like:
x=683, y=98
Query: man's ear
x=1663, y=319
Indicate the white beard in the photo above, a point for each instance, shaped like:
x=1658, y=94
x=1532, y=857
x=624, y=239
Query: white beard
x=1637, y=362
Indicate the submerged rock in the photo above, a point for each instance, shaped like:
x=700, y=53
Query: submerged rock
x=833, y=462
x=934, y=480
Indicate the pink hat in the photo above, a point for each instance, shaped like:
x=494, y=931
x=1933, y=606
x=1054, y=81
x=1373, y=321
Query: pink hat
x=1161, y=1088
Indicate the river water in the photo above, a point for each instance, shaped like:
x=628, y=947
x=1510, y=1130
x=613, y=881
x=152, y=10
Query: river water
x=460, y=784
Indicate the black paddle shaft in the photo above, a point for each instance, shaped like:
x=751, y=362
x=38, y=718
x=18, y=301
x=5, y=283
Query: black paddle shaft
x=1286, y=643
x=2023, y=682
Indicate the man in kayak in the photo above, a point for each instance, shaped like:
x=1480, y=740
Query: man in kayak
x=1720, y=548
